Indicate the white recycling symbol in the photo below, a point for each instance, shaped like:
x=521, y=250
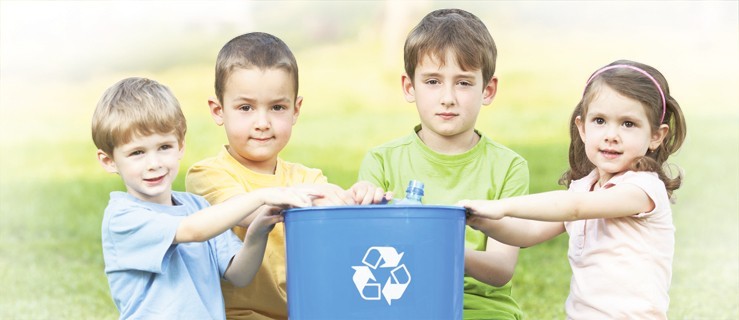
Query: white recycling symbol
x=393, y=289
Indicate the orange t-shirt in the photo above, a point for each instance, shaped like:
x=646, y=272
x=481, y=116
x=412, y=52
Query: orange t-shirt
x=222, y=177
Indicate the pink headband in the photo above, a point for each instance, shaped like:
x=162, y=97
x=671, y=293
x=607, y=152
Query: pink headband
x=659, y=88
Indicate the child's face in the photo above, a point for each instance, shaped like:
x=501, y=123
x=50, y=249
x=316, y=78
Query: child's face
x=148, y=165
x=448, y=98
x=258, y=112
x=616, y=131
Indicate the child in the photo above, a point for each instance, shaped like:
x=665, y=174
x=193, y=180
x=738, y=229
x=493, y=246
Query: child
x=617, y=212
x=165, y=251
x=257, y=104
x=449, y=74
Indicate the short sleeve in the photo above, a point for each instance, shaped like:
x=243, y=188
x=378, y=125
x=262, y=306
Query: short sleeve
x=650, y=183
x=215, y=184
x=315, y=176
x=140, y=239
x=371, y=170
x=227, y=244
x=516, y=180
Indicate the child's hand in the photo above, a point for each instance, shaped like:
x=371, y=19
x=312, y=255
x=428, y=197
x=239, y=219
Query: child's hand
x=264, y=221
x=475, y=222
x=331, y=194
x=289, y=197
x=244, y=223
x=481, y=209
x=365, y=192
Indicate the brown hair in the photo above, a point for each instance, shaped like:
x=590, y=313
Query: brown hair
x=136, y=106
x=254, y=50
x=637, y=86
x=451, y=29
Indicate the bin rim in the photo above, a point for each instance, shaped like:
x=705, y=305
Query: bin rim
x=376, y=206
x=375, y=212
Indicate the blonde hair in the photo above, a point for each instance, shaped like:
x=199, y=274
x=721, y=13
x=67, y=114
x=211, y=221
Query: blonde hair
x=254, y=50
x=637, y=86
x=136, y=106
x=451, y=29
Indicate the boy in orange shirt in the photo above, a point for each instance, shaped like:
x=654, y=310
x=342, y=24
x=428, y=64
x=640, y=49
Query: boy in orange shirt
x=257, y=103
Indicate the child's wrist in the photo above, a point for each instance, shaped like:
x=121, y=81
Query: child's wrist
x=261, y=196
x=252, y=237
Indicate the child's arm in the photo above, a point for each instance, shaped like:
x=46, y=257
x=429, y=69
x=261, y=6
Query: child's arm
x=517, y=232
x=619, y=201
x=551, y=209
x=496, y=264
x=493, y=266
x=246, y=262
x=214, y=220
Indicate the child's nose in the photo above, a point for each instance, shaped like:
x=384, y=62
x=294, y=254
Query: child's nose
x=262, y=121
x=448, y=97
x=612, y=133
x=153, y=161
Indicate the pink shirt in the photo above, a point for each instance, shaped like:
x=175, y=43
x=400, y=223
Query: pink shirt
x=622, y=267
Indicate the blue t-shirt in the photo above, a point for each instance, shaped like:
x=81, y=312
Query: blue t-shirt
x=149, y=276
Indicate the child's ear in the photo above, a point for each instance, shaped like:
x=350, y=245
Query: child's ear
x=181, y=152
x=488, y=93
x=106, y=162
x=408, y=90
x=216, y=110
x=658, y=136
x=580, y=128
x=298, y=104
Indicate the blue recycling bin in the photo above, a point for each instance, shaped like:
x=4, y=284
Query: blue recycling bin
x=375, y=262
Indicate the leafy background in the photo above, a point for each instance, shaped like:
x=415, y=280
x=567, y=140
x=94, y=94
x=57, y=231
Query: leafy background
x=57, y=57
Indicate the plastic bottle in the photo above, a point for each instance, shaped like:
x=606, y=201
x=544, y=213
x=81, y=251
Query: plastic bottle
x=413, y=193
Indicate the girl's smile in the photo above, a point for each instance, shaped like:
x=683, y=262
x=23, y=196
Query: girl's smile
x=610, y=154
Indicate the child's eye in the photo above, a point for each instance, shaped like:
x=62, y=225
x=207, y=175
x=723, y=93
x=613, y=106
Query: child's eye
x=245, y=107
x=278, y=108
x=629, y=124
x=135, y=153
x=466, y=83
x=166, y=147
x=432, y=81
x=599, y=120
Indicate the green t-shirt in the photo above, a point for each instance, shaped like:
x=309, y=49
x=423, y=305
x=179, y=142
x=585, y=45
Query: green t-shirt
x=487, y=171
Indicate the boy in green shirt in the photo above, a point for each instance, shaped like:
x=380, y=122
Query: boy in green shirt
x=449, y=73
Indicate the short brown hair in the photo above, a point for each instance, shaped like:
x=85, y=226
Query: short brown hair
x=136, y=106
x=254, y=50
x=451, y=29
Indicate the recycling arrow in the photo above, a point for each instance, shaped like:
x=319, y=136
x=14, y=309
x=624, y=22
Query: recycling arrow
x=390, y=258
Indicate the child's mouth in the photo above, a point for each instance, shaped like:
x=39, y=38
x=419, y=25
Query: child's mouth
x=154, y=180
x=447, y=116
x=610, y=154
x=261, y=139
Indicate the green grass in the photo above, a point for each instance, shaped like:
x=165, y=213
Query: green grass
x=53, y=192
x=51, y=261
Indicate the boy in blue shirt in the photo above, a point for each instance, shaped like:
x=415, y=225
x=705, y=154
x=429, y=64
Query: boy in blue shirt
x=166, y=251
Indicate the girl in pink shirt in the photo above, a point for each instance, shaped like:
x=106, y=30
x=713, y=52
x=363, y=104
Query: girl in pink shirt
x=617, y=209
